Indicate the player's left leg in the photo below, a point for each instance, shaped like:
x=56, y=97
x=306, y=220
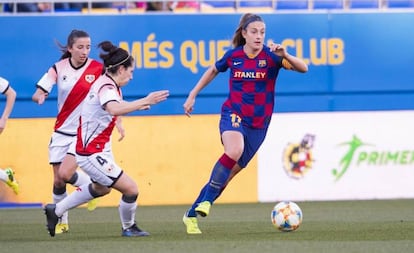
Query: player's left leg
x=128, y=206
x=7, y=175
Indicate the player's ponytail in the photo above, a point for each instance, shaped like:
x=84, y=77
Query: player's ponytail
x=114, y=57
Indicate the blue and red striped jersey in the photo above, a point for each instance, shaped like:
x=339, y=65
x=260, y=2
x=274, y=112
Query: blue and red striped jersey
x=252, y=84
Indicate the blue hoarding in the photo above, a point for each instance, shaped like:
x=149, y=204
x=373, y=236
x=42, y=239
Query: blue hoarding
x=357, y=61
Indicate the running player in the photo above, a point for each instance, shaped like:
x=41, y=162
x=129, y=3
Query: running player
x=246, y=114
x=100, y=111
x=7, y=175
x=10, y=94
x=73, y=74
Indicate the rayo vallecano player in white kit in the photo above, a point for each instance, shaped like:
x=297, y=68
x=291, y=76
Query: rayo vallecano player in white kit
x=100, y=111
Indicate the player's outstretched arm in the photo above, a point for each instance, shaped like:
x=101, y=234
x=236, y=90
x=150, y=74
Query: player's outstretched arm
x=10, y=99
x=124, y=107
x=205, y=79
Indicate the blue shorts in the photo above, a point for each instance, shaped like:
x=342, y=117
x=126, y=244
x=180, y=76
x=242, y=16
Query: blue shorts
x=253, y=137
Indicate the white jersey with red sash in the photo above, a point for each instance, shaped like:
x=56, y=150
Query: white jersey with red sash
x=96, y=124
x=73, y=85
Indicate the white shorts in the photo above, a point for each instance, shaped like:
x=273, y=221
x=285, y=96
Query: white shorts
x=100, y=167
x=59, y=146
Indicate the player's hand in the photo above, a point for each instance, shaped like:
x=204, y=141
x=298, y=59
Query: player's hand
x=41, y=98
x=278, y=49
x=120, y=128
x=189, y=106
x=156, y=97
x=2, y=124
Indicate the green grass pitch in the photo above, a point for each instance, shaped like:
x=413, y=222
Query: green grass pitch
x=333, y=226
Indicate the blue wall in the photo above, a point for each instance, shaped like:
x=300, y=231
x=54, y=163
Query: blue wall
x=357, y=61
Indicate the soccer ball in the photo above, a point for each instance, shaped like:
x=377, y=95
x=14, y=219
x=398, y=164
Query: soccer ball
x=286, y=216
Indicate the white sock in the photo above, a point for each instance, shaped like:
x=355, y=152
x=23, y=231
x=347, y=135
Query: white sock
x=57, y=199
x=76, y=198
x=127, y=213
x=3, y=175
x=83, y=178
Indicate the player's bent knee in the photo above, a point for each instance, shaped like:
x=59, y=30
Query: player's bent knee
x=129, y=198
x=97, y=190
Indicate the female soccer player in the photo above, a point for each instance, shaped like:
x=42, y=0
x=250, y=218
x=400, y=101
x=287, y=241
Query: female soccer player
x=10, y=94
x=93, y=149
x=246, y=114
x=7, y=175
x=73, y=74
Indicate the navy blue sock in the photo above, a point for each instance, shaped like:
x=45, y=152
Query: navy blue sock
x=191, y=212
x=217, y=181
x=219, y=177
x=214, y=187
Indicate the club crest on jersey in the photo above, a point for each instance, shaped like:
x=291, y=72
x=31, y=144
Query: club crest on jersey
x=262, y=63
x=90, y=78
x=235, y=120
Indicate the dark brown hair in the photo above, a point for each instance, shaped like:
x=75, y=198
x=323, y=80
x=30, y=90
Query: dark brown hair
x=73, y=36
x=114, y=57
x=245, y=20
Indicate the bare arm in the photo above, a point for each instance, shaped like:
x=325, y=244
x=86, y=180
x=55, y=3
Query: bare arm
x=120, y=128
x=44, y=86
x=296, y=63
x=205, y=79
x=39, y=96
x=10, y=99
x=125, y=107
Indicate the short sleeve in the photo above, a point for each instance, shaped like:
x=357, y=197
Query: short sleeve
x=4, y=85
x=222, y=64
x=48, y=80
x=108, y=93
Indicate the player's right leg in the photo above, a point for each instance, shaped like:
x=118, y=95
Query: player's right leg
x=58, y=148
x=51, y=218
x=190, y=216
x=54, y=212
x=191, y=224
x=233, y=142
x=59, y=193
x=69, y=173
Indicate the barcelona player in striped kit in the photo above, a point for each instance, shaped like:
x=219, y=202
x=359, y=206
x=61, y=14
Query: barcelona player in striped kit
x=246, y=114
